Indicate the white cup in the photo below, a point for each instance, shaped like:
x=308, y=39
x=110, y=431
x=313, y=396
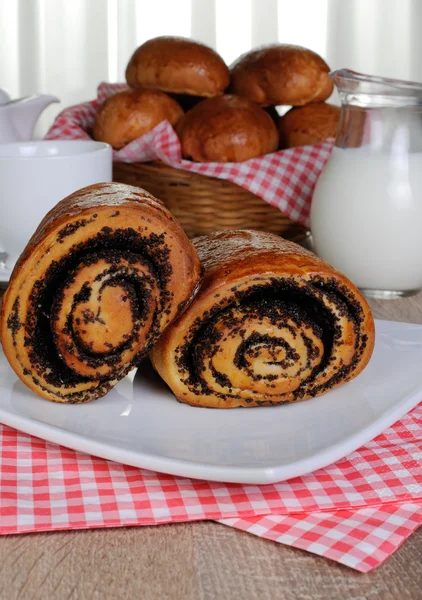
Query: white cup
x=34, y=176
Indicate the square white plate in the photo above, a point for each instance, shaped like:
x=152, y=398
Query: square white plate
x=140, y=423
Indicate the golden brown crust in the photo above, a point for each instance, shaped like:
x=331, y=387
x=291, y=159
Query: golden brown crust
x=272, y=323
x=309, y=124
x=178, y=65
x=130, y=114
x=105, y=272
x=281, y=74
x=226, y=129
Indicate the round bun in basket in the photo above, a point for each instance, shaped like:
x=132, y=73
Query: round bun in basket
x=281, y=74
x=179, y=66
x=309, y=124
x=130, y=114
x=226, y=129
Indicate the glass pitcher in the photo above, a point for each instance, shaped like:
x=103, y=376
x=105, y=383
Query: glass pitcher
x=366, y=213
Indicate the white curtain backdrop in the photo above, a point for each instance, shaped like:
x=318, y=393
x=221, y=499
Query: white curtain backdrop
x=66, y=47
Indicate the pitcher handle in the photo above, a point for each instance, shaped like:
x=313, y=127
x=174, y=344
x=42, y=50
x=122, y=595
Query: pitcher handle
x=3, y=258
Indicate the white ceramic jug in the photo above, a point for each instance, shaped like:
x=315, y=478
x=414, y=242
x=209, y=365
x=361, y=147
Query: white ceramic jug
x=366, y=213
x=18, y=117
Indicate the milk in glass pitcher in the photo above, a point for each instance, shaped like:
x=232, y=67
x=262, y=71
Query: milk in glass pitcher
x=366, y=213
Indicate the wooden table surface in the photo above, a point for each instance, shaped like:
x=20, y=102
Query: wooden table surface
x=199, y=561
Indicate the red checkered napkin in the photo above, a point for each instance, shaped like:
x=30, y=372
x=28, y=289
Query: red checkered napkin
x=361, y=539
x=285, y=179
x=356, y=511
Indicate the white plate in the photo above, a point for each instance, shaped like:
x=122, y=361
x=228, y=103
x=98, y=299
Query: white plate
x=140, y=423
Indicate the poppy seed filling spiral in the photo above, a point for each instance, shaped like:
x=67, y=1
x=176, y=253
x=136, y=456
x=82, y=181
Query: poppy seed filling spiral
x=59, y=335
x=304, y=333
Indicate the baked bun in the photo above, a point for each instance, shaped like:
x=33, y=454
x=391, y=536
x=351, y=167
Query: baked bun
x=178, y=65
x=281, y=74
x=309, y=124
x=129, y=114
x=226, y=129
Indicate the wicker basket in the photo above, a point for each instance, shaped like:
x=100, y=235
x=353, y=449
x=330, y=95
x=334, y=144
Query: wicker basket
x=205, y=204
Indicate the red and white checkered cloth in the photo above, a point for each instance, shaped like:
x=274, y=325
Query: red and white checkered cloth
x=357, y=511
x=285, y=179
x=361, y=539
